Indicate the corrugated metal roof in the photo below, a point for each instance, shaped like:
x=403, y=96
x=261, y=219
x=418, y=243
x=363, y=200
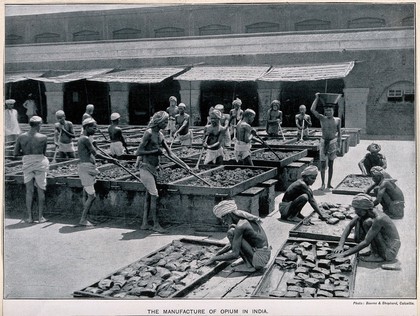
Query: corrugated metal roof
x=308, y=72
x=224, y=73
x=140, y=75
x=21, y=76
x=75, y=75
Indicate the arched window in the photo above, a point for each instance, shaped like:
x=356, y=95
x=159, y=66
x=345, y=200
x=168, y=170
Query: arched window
x=47, y=38
x=366, y=23
x=408, y=21
x=169, y=32
x=126, y=33
x=215, y=29
x=262, y=27
x=313, y=24
x=399, y=92
x=86, y=35
x=13, y=39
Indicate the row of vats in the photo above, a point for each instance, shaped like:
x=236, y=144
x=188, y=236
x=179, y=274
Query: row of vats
x=300, y=267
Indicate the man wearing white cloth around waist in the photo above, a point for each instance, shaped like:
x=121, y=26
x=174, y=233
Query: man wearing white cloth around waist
x=33, y=146
x=87, y=167
x=247, y=238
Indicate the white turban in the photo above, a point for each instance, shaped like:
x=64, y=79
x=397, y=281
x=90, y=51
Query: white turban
x=10, y=101
x=35, y=119
x=310, y=171
x=216, y=113
x=88, y=121
x=237, y=102
x=219, y=107
x=60, y=113
x=229, y=206
x=377, y=171
x=158, y=118
x=362, y=201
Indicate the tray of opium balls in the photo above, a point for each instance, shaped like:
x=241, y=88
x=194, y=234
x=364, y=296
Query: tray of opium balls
x=353, y=184
x=332, y=229
x=171, y=271
x=301, y=270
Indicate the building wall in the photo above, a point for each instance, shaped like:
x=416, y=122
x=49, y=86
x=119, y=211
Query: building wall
x=187, y=20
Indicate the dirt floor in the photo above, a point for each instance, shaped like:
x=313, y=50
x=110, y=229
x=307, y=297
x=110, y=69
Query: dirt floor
x=53, y=259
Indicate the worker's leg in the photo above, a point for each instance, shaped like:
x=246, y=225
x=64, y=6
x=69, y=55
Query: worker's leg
x=153, y=212
x=323, y=167
x=330, y=172
x=90, y=193
x=29, y=200
x=296, y=208
x=41, y=205
x=146, y=207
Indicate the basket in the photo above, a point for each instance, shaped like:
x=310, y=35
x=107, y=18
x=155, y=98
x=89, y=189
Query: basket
x=329, y=98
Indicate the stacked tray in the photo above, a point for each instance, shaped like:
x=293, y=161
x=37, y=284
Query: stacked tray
x=353, y=184
x=300, y=270
x=169, y=272
x=341, y=215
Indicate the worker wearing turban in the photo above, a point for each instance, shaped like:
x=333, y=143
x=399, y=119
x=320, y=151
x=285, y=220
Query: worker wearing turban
x=235, y=116
x=148, y=154
x=213, y=139
x=11, y=123
x=374, y=228
x=387, y=193
x=63, y=136
x=247, y=238
x=274, y=119
x=224, y=123
x=372, y=159
x=297, y=195
x=244, y=134
x=172, y=110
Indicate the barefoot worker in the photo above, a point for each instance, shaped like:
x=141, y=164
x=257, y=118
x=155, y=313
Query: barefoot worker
x=87, y=167
x=148, y=154
x=247, y=239
x=374, y=228
x=387, y=193
x=297, y=195
x=33, y=146
x=330, y=139
x=372, y=159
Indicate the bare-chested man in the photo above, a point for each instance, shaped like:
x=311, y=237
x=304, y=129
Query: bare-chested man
x=148, y=154
x=387, y=193
x=87, y=167
x=224, y=122
x=172, y=110
x=63, y=136
x=374, y=228
x=235, y=115
x=33, y=146
x=182, y=124
x=244, y=134
x=330, y=139
x=303, y=122
x=214, y=134
x=247, y=239
x=274, y=118
x=117, y=139
x=88, y=114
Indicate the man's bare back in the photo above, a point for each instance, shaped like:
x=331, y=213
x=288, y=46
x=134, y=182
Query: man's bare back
x=31, y=144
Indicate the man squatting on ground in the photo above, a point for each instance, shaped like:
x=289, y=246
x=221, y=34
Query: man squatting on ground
x=244, y=134
x=330, y=139
x=224, y=122
x=182, y=126
x=372, y=159
x=214, y=134
x=118, y=143
x=247, y=238
x=33, y=146
x=303, y=122
x=87, y=167
x=147, y=161
x=63, y=136
x=11, y=123
x=297, y=195
x=387, y=193
x=374, y=228
x=172, y=110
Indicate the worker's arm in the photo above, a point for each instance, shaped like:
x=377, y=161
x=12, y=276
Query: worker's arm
x=344, y=235
x=384, y=163
x=314, y=106
x=362, y=166
x=338, y=122
x=381, y=192
x=69, y=132
x=144, y=141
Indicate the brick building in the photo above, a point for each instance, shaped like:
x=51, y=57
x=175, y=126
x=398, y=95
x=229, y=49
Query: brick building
x=132, y=60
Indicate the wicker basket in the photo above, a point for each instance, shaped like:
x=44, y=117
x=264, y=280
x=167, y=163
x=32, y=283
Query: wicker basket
x=329, y=98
